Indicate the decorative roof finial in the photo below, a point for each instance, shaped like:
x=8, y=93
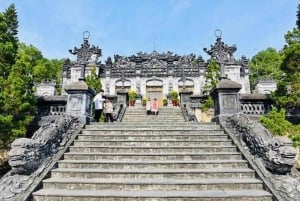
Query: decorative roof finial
x=218, y=33
x=86, y=35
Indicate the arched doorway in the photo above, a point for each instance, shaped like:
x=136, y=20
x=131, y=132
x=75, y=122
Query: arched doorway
x=154, y=89
x=186, y=84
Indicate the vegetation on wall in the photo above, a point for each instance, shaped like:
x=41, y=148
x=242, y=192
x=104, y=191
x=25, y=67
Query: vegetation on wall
x=277, y=124
x=212, y=76
x=93, y=81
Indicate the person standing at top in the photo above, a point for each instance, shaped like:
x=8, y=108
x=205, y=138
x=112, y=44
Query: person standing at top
x=154, y=107
x=108, y=110
x=148, y=106
x=98, y=102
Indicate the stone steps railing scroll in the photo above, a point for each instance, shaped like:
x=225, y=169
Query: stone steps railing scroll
x=272, y=157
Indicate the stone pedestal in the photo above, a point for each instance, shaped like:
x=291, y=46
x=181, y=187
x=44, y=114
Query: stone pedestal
x=79, y=101
x=226, y=97
x=122, y=97
x=185, y=96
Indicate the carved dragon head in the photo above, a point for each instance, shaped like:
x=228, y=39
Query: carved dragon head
x=24, y=156
x=281, y=154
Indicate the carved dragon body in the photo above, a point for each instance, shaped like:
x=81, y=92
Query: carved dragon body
x=26, y=154
x=275, y=155
x=29, y=157
x=277, y=152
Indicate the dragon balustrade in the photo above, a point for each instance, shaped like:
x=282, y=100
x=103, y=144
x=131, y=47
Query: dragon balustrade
x=273, y=157
x=31, y=159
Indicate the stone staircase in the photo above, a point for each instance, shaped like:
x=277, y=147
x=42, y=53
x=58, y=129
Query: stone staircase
x=149, y=157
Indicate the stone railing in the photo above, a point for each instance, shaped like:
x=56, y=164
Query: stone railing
x=188, y=113
x=255, y=105
x=51, y=105
x=31, y=160
x=121, y=112
x=272, y=157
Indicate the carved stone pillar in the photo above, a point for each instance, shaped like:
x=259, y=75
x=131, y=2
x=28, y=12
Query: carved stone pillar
x=226, y=97
x=79, y=101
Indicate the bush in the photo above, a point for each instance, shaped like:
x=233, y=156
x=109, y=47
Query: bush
x=208, y=104
x=144, y=101
x=132, y=95
x=165, y=102
x=173, y=95
x=277, y=124
x=275, y=121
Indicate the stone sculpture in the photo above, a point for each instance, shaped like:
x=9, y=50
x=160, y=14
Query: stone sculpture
x=277, y=152
x=274, y=156
x=29, y=157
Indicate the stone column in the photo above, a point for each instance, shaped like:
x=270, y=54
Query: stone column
x=79, y=101
x=226, y=97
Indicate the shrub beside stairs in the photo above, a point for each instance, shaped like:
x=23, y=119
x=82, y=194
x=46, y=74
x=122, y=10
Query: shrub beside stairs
x=147, y=157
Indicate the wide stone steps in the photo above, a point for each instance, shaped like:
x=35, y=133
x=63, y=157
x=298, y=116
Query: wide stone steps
x=116, y=195
x=153, y=173
x=117, y=135
x=152, y=164
x=152, y=158
x=138, y=114
x=161, y=149
x=152, y=143
x=150, y=184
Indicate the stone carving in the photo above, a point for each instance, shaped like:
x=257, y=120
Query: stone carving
x=222, y=53
x=277, y=152
x=274, y=155
x=156, y=64
x=66, y=69
x=29, y=157
x=86, y=54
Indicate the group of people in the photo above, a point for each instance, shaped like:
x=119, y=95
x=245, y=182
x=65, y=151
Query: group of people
x=152, y=106
x=103, y=105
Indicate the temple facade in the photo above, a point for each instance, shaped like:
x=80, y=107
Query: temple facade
x=155, y=74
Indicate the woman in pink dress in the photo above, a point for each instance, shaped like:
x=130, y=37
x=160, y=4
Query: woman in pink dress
x=154, y=107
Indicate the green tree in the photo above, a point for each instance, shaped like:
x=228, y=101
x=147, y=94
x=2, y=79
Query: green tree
x=287, y=94
x=212, y=76
x=8, y=40
x=17, y=103
x=298, y=17
x=292, y=37
x=265, y=65
x=93, y=81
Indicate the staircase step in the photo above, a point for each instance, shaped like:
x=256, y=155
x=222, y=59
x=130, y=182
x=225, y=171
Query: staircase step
x=152, y=125
x=138, y=149
x=151, y=143
x=178, y=195
x=149, y=164
x=151, y=184
x=148, y=132
x=152, y=173
x=129, y=135
x=153, y=156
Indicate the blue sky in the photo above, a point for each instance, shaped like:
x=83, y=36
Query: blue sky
x=126, y=27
